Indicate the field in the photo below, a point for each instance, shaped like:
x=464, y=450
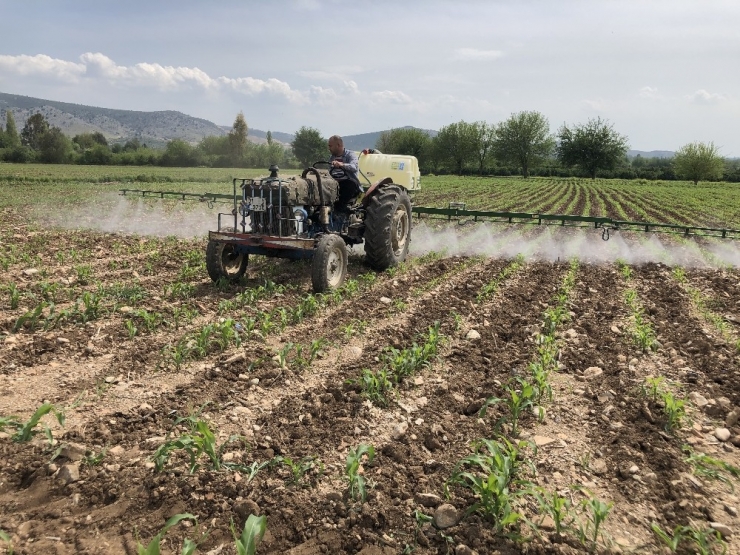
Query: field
x=506, y=390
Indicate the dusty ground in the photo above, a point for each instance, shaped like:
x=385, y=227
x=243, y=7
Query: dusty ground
x=603, y=436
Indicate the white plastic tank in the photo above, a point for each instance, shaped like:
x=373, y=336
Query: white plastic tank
x=403, y=169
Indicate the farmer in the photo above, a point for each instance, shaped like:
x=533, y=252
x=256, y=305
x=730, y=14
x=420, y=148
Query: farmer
x=344, y=168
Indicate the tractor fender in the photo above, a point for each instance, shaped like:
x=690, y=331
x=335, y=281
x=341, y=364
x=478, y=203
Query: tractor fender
x=374, y=189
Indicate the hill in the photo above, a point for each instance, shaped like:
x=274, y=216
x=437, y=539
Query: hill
x=153, y=128
x=650, y=153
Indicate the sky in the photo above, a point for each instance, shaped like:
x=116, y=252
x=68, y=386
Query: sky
x=662, y=72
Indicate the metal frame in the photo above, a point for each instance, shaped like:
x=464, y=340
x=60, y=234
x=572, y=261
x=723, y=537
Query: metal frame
x=566, y=220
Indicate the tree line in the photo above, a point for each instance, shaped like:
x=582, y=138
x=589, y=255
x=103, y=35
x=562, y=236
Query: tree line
x=521, y=145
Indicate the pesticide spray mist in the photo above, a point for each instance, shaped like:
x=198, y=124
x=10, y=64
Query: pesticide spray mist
x=127, y=215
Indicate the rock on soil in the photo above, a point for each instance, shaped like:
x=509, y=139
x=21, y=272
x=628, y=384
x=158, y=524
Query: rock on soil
x=472, y=335
x=446, y=516
x=722, y=434
x=69, y=473
x=592, y=372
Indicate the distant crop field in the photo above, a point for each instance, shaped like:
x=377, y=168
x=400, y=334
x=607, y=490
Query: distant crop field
x=679, y=202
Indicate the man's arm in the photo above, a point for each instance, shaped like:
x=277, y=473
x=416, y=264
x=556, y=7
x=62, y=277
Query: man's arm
x=351, y=163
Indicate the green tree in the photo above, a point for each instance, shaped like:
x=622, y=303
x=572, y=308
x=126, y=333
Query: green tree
x=524, y=139
x=384, y=142
x=407, y=140
x=268, y=137
x=89, y=140
x=592, y=147
x=457, y=144
x=238, y=140
x=309, y=146
x=179, y=153
x=484, y=139
x=11, y=131
x=36, y=126
x=699, y=162
x=54, y=147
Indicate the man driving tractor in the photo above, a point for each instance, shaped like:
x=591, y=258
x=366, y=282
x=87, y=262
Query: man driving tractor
x=344, y=167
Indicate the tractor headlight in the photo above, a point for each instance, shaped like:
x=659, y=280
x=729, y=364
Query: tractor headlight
x=300, y=214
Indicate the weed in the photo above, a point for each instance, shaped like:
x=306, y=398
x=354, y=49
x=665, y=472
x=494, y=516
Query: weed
x=94, y=459
x=150, y=320
x=357, y=482
x=653, y=387
x=253, y=469
x=153, y=548
x=30, y=319
x=92, y=308
x=251, y=536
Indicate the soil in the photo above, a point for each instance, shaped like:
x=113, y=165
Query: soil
x=95, y=488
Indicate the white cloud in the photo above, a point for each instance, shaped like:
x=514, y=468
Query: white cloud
x=392, y=97
x=475, y=55
x=596, y=104
x=705, y=97
x=650, y=92
x=337, y=74
x=42, y=64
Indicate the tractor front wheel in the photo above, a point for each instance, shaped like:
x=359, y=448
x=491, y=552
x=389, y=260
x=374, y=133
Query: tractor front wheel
x=329, y=267
x=224, y=261
x=388, y=227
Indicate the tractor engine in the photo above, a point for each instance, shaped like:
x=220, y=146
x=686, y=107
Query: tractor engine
x=286, y=206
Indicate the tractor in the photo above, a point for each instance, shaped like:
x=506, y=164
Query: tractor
x=295, y=217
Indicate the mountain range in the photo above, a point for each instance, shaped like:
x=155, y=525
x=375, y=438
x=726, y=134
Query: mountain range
x=156, y=128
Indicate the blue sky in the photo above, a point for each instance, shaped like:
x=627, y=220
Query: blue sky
x=663, y=72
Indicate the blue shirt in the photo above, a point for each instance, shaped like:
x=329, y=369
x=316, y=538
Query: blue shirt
x=349, y=171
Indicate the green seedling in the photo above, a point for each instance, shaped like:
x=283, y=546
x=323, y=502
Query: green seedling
x=674, y=410
x=84, y=274
x=26, y=431
x=6, y=538
x=705, y=540
x=15, y=296
x=357, y=482
x=30, y=319
x=375, y=386
x=153, y=548
x=199, y=441
x=299, y=468
x=518, y=400
x=708, y=467
x=670, y=540
x=251, y=536
x=491, y=474
x=559, y=508
x=653, y=387
x=253, y=469
x=92, y=308
x=596, y=512
x=131, y=328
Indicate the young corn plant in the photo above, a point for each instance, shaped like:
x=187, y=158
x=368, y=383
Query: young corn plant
x=199, y=441
x=520, y=397
x=15, y=296
x=251, y=536
x=491, y=287
x=557, y=507
x=491, y=474
x=356, y=481
x=671, y=540
x=299, y=469
x=154, y=548
x=376, y=386
x=589, y=531
x=674, y=410
x=26, y=431
x=4, y=537
x=706, y=466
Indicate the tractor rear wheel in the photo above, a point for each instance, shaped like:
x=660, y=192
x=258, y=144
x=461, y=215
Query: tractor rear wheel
x=224, y=261
x=329, y=266
x=388, y=227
